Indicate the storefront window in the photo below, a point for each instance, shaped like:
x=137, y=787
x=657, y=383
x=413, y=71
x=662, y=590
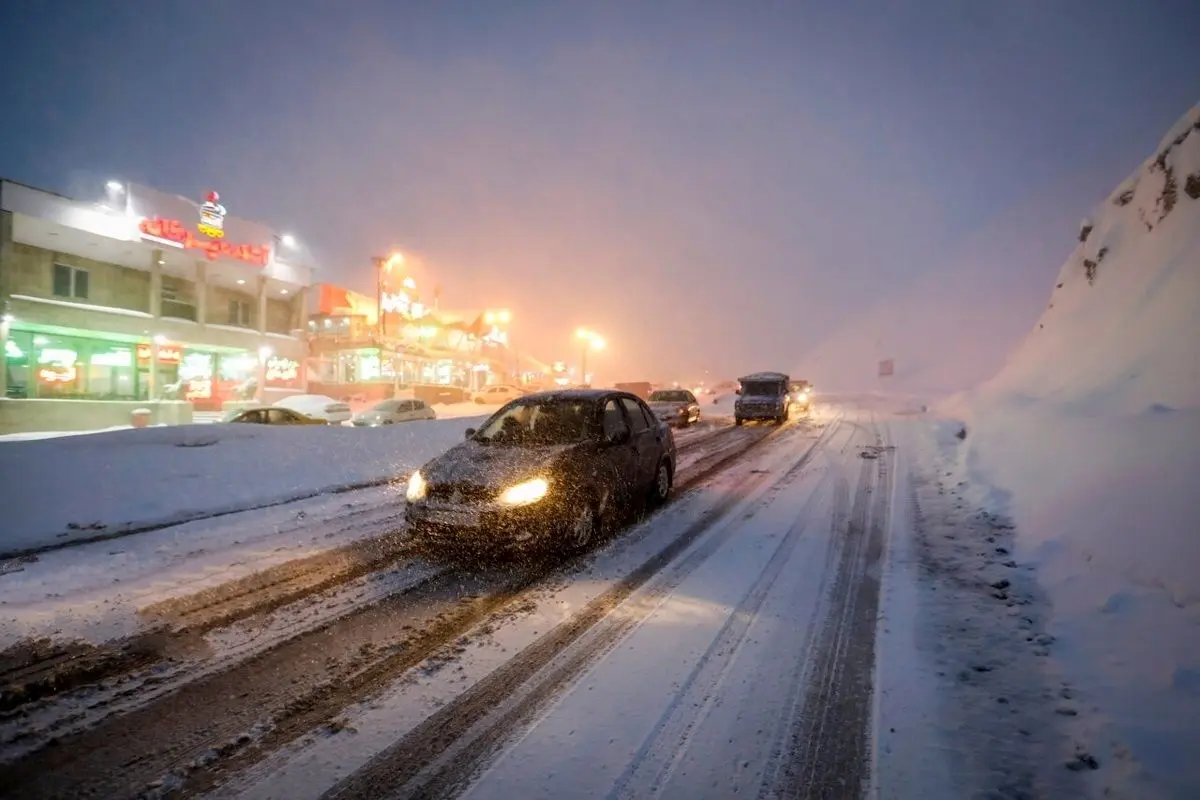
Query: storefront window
x=196, y=375
x=110, y=372
x=18, y=351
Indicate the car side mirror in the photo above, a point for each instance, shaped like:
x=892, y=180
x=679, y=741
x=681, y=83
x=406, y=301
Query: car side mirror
x=468, y=433
x=737, y=391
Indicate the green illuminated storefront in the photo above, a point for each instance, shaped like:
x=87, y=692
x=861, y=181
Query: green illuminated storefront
x=52, y=362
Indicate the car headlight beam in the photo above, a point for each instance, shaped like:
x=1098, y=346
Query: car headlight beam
x=416, y=487
x=525, y=493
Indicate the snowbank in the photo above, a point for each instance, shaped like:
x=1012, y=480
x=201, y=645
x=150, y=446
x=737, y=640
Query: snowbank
x=82, y=487
x=1088, y=438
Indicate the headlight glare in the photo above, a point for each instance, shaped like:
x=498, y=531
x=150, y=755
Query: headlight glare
x=525, y=493
x=416, y=487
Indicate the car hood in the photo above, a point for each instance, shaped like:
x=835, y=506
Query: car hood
x=492, y=466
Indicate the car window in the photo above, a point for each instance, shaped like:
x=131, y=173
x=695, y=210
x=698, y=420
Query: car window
x=279, y=416
x=387, y=406
x=418, y=405
x=637, y=420
x=253, y=417
x=651, y=420
x=613, y=421
x=403, y=406
x=544, y=422
x=670, y=396
x=691, y=398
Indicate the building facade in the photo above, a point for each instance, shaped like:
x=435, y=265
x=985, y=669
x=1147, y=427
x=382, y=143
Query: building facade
x=141, y=297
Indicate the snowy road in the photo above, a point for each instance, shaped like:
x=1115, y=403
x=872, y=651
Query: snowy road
x=743, y=665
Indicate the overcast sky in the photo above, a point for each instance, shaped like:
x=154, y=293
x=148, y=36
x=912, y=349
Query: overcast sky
x=711, y=185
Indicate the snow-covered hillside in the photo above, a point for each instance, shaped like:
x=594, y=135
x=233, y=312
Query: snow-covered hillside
x=1089, y=438
x=1120, y=330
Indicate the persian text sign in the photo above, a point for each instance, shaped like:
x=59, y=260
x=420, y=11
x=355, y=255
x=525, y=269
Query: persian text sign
x=175, y=232
x=282, y=369
x=167, y=354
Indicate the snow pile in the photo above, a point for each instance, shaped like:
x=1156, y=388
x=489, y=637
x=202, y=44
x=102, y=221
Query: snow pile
x=75, y=488
x=1088, y=437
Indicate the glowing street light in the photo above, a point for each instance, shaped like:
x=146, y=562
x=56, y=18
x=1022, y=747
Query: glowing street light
x=287, y=240
x=591, y=341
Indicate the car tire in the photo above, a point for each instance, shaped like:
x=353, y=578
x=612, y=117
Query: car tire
x=661, y=485
x=584, y=529
x=738, y=421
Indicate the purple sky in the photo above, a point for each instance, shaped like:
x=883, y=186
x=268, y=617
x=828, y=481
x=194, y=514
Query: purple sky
x=712, y=185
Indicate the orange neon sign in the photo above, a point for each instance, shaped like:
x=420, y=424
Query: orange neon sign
x=172, y=230
x=166, y=353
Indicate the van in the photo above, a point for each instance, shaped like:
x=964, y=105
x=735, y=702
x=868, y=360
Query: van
x=763, y=396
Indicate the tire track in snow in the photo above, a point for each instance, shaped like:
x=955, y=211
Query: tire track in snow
x=829, y=753
x=671, y=735
x=439, y=756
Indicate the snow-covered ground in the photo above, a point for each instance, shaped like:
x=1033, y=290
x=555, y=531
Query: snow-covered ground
x=75, y=488
x=1088, y=438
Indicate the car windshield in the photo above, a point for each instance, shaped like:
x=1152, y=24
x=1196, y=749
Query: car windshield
x=539, y=423
x=760, y=389
x=669, y=397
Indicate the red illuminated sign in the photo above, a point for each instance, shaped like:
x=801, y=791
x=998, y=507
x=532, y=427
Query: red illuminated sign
x=172, y=230
x=166, y=353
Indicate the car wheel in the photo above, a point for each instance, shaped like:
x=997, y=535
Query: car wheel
x=660, y=490
x=738, y=421
x=583, y=528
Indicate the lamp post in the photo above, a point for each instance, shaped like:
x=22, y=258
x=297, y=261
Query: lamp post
x=590, y=341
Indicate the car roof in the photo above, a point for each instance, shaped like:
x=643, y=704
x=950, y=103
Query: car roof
x=765, y=376
x=576, y=394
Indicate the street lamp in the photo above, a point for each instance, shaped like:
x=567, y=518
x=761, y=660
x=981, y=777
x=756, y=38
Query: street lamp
x=591, y=341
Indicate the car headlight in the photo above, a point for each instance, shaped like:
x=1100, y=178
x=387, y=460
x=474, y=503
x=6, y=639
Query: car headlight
x=416, y=487
x=525, y=493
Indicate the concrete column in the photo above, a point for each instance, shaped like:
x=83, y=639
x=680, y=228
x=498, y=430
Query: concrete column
x=300, y=310
x=156, y=259
x=201, y=293
x=261, y=324
x=5, y=306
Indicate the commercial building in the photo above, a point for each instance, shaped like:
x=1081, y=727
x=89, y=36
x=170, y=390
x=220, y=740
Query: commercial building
x=352, y=355
x=139, y=298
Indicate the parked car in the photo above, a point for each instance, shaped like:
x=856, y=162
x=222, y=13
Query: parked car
x=763, y=396
x=317, y=405
x=675, y=406
x=548, y=469
x=272, y=416
x=497, y=395
x=390, y=412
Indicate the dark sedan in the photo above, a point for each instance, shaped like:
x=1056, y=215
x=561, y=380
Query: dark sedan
x=272, y=416
x=553, y=468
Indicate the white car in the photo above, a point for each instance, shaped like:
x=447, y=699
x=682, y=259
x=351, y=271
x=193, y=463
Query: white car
x=497, y=395
x=318, y=406
x=388, y=412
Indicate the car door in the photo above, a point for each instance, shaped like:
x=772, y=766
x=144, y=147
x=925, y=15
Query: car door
x=402, y=411
x=618, y=451
x=644, y=437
